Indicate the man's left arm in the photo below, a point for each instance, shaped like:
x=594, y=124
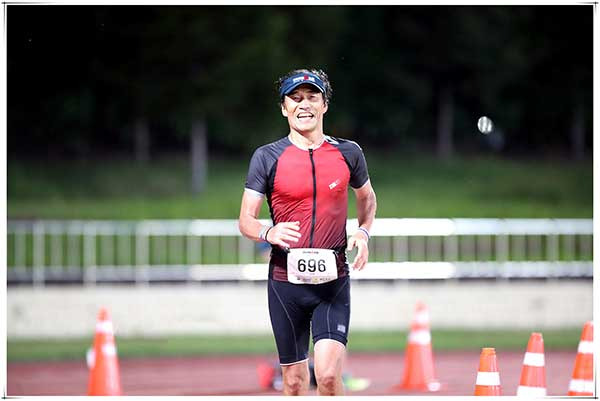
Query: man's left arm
x=366, y=206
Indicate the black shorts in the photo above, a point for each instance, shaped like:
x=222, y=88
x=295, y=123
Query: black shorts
x=294, y=308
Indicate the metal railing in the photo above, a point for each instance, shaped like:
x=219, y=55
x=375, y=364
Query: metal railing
x=203, y=250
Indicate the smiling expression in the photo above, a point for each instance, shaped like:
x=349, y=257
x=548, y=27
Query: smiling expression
x=304, y=109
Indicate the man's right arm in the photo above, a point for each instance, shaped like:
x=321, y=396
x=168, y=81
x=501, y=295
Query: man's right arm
x=249, y=225
x=281, y=234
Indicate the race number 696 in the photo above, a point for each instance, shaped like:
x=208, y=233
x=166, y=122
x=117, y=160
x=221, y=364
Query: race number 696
x=311, y=265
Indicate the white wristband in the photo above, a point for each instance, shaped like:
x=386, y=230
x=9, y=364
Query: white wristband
x=261, y=234
x=364, y=230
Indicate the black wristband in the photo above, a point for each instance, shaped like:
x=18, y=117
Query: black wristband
x=267, y=233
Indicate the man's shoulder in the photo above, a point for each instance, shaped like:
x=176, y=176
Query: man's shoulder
x=342, y=143
x=274, y=147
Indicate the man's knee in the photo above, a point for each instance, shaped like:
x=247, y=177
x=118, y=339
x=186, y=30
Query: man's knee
x=328, y=382
x=295, y=382
x=329, y=356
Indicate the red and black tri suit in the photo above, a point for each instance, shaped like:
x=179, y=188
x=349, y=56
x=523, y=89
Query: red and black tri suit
x=309, y=186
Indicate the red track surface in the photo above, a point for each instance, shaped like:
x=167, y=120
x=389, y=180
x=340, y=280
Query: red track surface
x=236, y=375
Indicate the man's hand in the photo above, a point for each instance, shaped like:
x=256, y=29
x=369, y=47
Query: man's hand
x=283, y=233
x=359, y=240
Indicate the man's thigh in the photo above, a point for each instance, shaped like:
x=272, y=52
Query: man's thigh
x=329, y=357
x=290, y=321
x=331, y=317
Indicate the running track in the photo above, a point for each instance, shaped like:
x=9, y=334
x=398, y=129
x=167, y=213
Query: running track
x=236, y=375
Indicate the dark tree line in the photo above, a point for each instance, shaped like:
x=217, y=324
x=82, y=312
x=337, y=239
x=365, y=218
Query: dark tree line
x=84, y=81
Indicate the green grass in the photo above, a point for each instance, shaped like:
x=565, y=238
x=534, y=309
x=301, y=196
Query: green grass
x=405, y=187
x=122, y=190
x=359, y=341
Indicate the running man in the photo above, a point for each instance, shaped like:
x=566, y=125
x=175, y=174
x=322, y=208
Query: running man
x=305, y=178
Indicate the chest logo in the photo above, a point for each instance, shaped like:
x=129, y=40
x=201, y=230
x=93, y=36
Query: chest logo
x=334, y=184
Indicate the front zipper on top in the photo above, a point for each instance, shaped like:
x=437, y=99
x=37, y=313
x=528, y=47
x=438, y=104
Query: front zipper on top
x=314, y=210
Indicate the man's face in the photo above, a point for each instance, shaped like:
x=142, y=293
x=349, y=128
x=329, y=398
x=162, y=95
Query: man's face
x=304, y=109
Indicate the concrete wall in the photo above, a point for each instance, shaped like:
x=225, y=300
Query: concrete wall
x=242, y=308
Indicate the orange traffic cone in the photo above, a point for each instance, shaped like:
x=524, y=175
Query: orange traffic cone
x=418, y=361
x=266, y=374
x=582, y=382
x=488, y=377
x=533, y=374
x=104, y=369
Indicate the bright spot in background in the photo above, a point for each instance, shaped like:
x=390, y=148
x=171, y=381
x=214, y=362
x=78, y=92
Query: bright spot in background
x=485, y=125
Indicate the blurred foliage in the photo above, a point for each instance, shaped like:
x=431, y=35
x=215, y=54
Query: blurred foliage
x=359, y=341
x=80, y=76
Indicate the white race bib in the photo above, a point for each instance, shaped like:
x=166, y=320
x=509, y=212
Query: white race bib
x=311, y=266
